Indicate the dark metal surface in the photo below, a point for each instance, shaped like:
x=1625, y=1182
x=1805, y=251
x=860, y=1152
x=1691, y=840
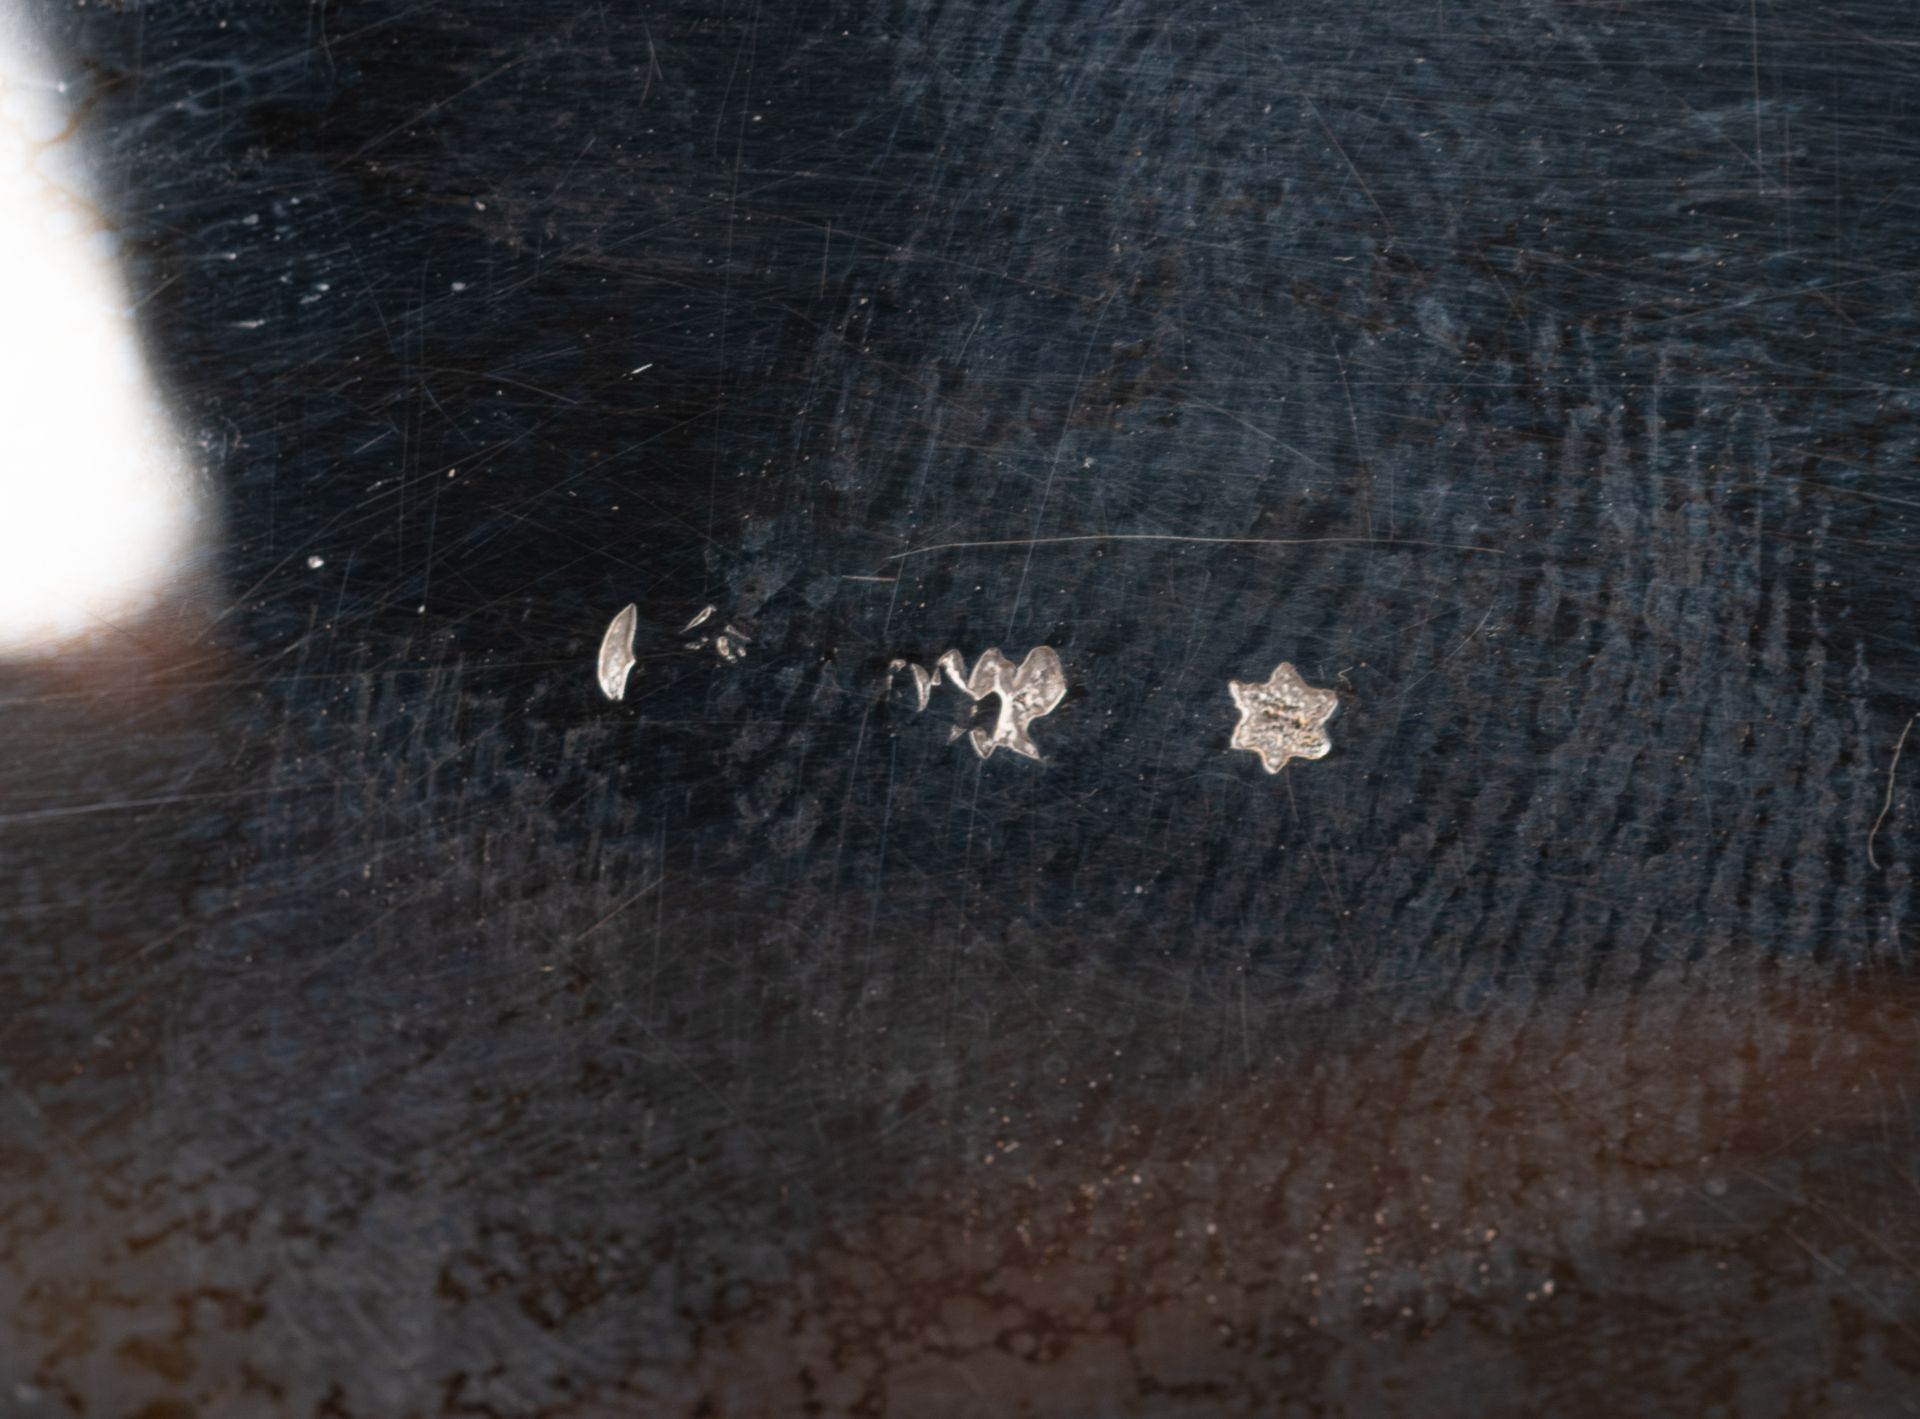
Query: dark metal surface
x=401, y=1027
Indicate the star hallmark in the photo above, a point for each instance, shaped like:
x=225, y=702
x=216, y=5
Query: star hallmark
x=1283, y=718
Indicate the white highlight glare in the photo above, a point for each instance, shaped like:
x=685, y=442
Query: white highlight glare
x=98, y=512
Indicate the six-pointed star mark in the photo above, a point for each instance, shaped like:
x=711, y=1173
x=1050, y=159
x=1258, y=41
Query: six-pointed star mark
x=1282, y=718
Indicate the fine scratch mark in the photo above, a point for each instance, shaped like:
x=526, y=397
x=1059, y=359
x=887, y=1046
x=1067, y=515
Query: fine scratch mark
x=1256, y=430
x=1313, y=108
x=619, y=908
x=1359, y=446
x=1205, y=541
x=428, y=112
x=1443, y=659
x=1759, y=151
x=1053, y=467
x=1888, y=805
x=1352, y=167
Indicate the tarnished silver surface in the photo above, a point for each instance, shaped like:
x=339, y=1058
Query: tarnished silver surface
x=390, y=1030
x=1282, y=717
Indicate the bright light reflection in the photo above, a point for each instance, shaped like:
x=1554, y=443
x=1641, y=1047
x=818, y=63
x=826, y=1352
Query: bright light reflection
x=98, y=512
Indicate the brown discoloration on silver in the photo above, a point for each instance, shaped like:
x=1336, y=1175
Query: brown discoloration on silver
x=1543, y=1182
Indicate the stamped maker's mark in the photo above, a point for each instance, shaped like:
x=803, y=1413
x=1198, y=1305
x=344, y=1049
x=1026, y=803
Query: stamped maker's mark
x=1027, y=692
